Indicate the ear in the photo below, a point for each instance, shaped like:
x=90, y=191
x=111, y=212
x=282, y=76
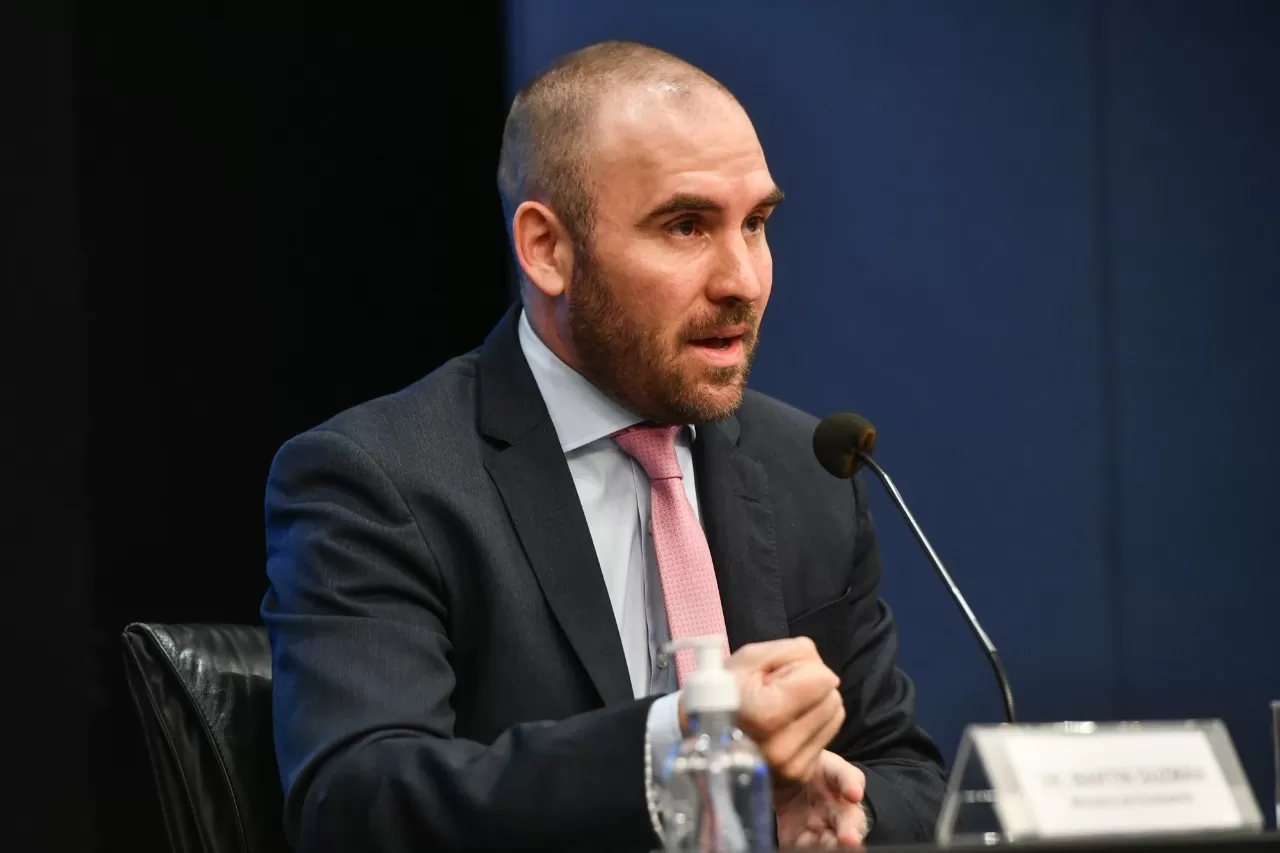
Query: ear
x=542, y=247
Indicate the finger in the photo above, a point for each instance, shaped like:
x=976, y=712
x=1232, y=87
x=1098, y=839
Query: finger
x=842, y=777
x=796, y=748
x=793, y=752
x=782, y=724
x=826, y=721
x=807, y=838
x=768, y=709
x=802, y=683
x=827, y=841
x=851, y=825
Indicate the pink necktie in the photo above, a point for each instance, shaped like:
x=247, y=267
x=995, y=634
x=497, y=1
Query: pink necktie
x=684, y=561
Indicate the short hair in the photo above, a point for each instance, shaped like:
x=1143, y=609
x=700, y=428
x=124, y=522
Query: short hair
x=546, y=140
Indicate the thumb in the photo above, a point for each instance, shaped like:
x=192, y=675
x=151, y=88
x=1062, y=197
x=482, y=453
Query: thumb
x=771, y=655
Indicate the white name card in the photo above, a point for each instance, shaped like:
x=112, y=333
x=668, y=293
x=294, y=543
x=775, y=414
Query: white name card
x=1085, y=779
x=1117, y=782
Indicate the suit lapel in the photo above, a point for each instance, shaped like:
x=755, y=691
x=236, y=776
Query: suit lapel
x=529, y=469
x=734, y=500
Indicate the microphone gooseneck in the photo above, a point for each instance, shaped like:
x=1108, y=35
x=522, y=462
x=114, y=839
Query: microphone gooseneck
x=844, y=443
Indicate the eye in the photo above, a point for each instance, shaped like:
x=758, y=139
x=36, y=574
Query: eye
x=684, y=228
x=754, y=223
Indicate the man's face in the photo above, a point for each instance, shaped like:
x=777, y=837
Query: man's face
x=664, y=305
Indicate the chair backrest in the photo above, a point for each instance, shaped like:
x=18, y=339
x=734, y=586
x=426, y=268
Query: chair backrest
x=203, y=694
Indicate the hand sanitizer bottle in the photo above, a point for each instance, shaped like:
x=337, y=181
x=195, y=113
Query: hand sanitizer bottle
x=713, y=789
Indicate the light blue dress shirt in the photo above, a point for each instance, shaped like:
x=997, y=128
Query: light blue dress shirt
x=614, y=492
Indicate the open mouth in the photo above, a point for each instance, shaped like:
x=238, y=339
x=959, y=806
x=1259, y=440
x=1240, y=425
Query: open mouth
x=718, y=343
x=726, y=348
x=722, y=338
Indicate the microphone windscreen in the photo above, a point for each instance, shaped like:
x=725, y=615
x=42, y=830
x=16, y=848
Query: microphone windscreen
x=837, y=440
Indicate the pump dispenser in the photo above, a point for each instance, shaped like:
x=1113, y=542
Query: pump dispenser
x=710, y=687
x=713, y=789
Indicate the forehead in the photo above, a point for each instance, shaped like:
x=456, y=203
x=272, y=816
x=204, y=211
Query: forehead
x=654, y=141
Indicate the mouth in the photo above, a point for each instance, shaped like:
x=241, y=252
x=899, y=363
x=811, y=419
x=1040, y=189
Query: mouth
x=724, y=348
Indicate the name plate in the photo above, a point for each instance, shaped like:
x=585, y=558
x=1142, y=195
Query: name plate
x=1093, y=779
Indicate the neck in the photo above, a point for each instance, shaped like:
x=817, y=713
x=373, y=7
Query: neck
x=543, y=320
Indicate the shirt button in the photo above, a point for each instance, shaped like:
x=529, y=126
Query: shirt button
x=663, y=660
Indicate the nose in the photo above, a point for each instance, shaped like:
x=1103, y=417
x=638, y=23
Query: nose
x=740, y=273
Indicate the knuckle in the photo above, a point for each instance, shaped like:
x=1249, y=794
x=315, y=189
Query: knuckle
x=823, y=687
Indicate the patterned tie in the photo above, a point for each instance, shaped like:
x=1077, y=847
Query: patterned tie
x=684, y=561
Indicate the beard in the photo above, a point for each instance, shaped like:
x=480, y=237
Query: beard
x=639, y=368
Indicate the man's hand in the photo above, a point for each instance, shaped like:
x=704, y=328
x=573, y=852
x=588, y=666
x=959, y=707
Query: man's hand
x=790, y=707
x=827, y=812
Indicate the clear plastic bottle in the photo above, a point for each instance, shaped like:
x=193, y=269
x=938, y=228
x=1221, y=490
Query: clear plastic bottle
x=713, y=788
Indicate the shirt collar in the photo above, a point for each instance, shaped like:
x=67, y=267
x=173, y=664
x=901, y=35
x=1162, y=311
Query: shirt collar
x=580, y=412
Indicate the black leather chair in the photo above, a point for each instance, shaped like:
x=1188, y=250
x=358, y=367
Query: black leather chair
x=203, y=693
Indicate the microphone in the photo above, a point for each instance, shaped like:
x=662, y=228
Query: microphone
x=843, y=443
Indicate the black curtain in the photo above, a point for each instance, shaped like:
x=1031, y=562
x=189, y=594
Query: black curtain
x=44, y=543
x=250, y=219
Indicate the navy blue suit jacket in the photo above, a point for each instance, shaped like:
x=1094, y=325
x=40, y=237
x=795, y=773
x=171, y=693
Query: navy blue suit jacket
x=447, y=670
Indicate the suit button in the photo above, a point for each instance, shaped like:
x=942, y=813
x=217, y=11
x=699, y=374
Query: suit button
x=663, y=660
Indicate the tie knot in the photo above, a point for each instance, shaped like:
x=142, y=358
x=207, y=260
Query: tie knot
x=654, y=447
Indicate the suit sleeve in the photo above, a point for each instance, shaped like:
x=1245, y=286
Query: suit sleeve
x=905, y=777
x=359, y=626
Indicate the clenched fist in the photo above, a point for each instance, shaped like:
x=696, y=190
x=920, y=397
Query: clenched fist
x=790, y=706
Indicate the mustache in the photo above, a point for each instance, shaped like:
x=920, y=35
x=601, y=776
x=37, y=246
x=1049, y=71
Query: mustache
x=739, y=314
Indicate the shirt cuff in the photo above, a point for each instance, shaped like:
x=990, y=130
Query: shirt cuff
x=664, y=727
x=662, y=732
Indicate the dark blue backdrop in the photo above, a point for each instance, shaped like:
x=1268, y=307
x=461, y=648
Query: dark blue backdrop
x=1039, y=246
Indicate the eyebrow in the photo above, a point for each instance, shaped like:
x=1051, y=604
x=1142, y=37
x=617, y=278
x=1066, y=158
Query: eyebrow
x=691, y=203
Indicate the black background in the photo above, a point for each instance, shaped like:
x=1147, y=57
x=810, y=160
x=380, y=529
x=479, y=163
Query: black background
x=221, y=227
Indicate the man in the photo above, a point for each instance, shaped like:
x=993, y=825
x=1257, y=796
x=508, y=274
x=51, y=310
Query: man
x=472, y=580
